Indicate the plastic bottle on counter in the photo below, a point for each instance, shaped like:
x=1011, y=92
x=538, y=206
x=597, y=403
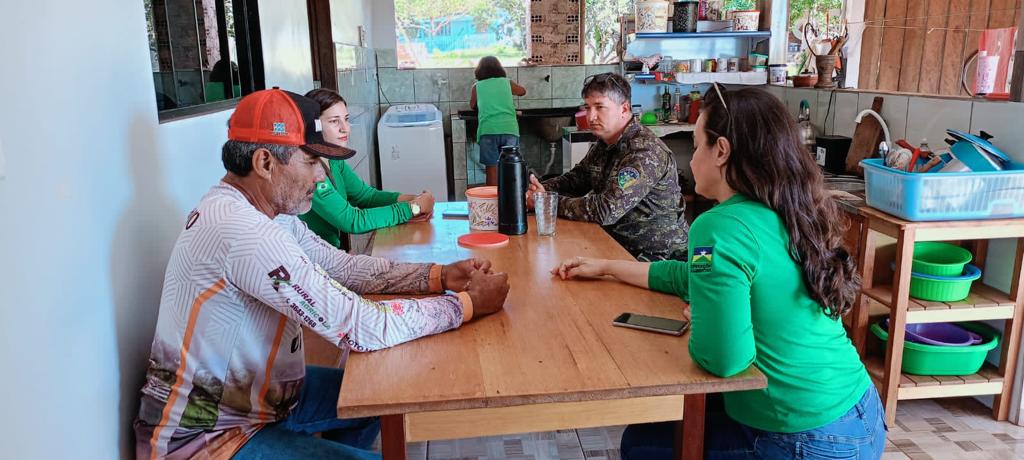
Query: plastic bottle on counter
x=807, y=129
x=694, y=107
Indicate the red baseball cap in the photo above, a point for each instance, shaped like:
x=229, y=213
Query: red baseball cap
x=275, y=116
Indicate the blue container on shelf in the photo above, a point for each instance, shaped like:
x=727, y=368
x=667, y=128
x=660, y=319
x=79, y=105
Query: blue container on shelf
x=944, y=196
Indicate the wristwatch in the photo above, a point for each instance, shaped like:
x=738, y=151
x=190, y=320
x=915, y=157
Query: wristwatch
x=415, y=209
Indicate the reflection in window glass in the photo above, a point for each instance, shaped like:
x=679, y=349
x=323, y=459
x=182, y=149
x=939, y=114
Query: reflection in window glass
x=825, y=19
x=602, y=29
x=193, y=51
x=457, y=33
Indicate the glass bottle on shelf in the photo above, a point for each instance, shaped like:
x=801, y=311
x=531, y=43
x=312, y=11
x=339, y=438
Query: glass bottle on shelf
x=677, y=98
x=666, y=104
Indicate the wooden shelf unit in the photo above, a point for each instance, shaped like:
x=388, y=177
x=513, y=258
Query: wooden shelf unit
x=888, y=289
x=976, y=307
x=987, y=381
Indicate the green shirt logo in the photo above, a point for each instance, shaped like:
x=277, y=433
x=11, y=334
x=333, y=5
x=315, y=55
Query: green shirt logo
x=702, y=258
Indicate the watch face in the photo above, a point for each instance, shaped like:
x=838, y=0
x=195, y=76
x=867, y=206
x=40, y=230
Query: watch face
x=415, y=209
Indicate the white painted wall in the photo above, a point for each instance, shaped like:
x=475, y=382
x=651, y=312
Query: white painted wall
x=348, y=15
x=383, y=29
x=95, y=193
x=286, y=57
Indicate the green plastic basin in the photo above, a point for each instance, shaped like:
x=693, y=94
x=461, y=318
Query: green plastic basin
x=943, y=288
x=940, y=259
x=922, y=359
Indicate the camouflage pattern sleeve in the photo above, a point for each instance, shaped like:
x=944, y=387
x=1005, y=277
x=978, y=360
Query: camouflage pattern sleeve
x=576, y=182
x=625, y=186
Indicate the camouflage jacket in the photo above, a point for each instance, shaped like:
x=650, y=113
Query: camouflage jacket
x=630, y=188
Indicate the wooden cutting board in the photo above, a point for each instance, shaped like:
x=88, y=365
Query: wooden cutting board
x=866, y=137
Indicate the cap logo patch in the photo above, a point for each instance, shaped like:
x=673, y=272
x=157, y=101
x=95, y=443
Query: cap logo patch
x=279, y=129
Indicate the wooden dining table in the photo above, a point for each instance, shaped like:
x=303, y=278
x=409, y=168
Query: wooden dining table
x=549, y=360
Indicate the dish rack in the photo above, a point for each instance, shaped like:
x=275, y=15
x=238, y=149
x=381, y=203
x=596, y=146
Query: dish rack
x=944, y=196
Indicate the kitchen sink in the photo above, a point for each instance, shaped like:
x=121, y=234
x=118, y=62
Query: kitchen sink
x=546, y=123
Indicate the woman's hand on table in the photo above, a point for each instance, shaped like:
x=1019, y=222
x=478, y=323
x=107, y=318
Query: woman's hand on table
x=488, y=292
x=456, y=276
x=581, y=267
x=627, y=271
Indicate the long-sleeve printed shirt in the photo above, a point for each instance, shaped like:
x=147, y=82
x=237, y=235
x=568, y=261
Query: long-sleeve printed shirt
x=631, y=188
x=227, y=355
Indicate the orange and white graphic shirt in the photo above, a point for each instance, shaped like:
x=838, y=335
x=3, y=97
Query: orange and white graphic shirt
x=227, y=354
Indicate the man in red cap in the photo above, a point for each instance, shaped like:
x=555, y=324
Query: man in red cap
x=227, y=376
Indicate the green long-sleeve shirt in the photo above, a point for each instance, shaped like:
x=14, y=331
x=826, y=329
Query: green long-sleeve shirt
x=351, y=206
x=749, y=305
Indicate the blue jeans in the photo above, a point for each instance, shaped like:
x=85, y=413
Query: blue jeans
x=490, y=147
x=858, y=434
x=317, y=412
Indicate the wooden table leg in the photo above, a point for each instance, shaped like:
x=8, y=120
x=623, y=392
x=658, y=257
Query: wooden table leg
x=689, y=442
x=392, y=437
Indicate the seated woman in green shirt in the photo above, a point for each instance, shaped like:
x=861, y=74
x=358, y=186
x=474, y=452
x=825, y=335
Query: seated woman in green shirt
x=767, y=281
x=343, y=203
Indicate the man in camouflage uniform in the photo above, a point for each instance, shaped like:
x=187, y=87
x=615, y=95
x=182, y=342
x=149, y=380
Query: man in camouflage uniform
x=628, y=182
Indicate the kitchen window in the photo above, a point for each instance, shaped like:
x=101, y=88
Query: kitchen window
x=458, y=33
x=206, y=54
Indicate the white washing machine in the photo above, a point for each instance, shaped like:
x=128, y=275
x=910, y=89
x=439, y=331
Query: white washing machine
x=410, y=139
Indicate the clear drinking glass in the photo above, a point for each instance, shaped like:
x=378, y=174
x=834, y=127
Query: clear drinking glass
x=546, y=209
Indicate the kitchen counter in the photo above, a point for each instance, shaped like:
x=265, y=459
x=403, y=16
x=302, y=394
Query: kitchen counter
x=471, y=115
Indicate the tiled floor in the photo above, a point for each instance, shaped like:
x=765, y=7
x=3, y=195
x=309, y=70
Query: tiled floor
x=956, y=428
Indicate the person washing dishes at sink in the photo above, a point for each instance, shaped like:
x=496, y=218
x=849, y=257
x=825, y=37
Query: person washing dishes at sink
x=767, y=280
x=628, y=181
x=497, y=124
x=343, y=203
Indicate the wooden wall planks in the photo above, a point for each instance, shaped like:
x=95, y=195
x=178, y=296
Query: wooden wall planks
x=919, y=46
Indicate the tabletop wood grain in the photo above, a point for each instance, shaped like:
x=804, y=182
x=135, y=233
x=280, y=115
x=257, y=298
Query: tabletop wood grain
x=553, y=341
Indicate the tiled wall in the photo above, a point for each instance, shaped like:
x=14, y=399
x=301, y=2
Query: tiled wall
x=448, y=89
x=919, y=117
x=358, y=85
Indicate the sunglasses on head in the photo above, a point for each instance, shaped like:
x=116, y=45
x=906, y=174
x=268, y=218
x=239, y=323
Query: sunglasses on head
x=603, y=77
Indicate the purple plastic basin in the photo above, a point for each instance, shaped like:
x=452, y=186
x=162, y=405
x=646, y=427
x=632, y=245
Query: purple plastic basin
x=941, y=334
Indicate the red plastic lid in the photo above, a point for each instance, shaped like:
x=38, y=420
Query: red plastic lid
x=483, y=240
x=488, y=191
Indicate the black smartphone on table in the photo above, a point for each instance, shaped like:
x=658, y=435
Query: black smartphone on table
x=652, y=323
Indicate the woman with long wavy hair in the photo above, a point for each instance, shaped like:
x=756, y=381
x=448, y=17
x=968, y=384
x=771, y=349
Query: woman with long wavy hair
x=767, y=281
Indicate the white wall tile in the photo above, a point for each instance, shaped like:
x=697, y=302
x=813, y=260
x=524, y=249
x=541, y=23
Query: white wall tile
x=928, y=118
x=1005, y=121
x=795, y=95
x=845, y=108
x=894, y=111
x=431, y=85
x=777, y=91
